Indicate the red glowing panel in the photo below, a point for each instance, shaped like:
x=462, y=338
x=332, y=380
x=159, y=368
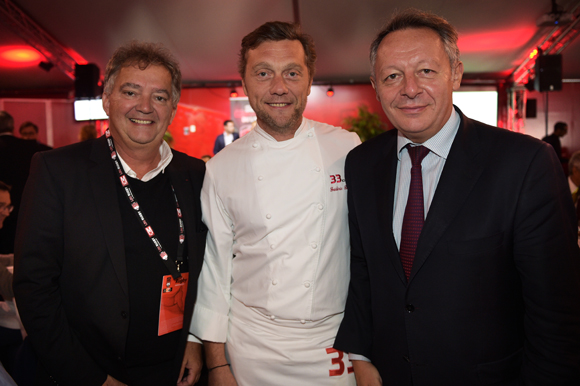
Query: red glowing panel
x=504, y=40
x=19, y=56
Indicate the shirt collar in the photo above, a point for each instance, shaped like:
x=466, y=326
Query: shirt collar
x=440, y=143
x=166, y=157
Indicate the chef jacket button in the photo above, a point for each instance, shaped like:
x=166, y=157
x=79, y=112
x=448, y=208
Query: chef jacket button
x=268, y=216
x=272, y=317
x=274, y=282
x=314, y=245
x=303, y=321
x=272, y=246
x=260, y=178
x=320, y=206
x=307, y=284
x=317, y=169
x=255, y=145
x=410, y=308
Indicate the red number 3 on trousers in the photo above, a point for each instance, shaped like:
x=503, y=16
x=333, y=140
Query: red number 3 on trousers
x=338, y=361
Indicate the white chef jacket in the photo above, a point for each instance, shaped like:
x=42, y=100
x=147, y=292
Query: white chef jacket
x=278, y=231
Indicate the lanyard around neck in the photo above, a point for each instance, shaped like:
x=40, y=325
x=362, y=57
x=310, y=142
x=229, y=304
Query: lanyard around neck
x=174, y=269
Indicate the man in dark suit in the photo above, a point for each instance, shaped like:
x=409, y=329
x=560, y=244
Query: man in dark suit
x=108, y=225
x=465, y=264
x=15, y=157
x=226, y=138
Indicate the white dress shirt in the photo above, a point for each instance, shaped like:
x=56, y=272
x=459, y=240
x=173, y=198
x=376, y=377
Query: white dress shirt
x=166, y=157
x=278, y=232
x=228, y=138
x=431, y=169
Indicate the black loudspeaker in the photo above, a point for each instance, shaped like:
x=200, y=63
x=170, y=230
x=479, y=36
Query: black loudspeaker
x=531, y=108
x=548, y=73
x=87, y=81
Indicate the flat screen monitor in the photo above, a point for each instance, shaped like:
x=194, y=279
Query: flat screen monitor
x=480, y=105
x=89, y=110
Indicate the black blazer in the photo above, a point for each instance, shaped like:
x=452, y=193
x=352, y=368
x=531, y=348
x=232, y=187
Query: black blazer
x=220, y=142
x=494, y=292
x=70, y=278
x=15, y=157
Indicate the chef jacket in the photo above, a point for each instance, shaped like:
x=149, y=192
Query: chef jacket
x=278, y=236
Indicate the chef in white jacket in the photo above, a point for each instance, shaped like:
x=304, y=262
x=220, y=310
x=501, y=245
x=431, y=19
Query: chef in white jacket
x=274, y=282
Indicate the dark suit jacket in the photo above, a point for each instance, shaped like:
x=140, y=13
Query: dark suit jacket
x=220, y=143
x=494, y=292
x=70, y=278
x=15, y=157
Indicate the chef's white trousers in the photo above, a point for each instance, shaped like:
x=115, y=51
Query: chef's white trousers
x=264, y=351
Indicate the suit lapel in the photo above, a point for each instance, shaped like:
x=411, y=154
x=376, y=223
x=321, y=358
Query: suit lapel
x=461, y=172
x=105, y=197
x=385, y=170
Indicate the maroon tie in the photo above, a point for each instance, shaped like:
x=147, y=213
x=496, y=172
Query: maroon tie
x=414, y=212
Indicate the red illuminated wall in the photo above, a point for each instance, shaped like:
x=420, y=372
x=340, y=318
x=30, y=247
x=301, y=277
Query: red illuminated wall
x=195, y=128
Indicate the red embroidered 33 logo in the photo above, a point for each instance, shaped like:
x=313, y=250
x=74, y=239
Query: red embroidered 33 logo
x=336, y=179
x=338, y=359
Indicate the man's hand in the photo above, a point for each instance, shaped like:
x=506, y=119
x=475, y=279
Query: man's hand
x=366, y=374
x=222, y=376
x=110, y=381
x=192, y=361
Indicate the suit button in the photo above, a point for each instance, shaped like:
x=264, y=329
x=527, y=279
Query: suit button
x=406, y=358
x=410, y=308
x=123, y=314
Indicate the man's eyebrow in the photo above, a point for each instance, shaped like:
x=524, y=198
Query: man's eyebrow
x=137, y=86
x=129, y=84
x=261, y=64
x=161, y=90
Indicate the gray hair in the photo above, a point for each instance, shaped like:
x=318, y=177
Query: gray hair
x=414, y=18
x=143, y=55
x=574, y=162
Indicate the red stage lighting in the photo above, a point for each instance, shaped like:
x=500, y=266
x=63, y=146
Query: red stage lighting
x=330, y=92
x=233, y=93
x=19, y=56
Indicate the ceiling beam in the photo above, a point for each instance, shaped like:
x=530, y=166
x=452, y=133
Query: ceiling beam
x=553, y=43
x=38, y=38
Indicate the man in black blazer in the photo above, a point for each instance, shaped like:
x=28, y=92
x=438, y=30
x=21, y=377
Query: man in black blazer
x=15, y=156
x=491, y=292
x=107, y=225
x=226, y=138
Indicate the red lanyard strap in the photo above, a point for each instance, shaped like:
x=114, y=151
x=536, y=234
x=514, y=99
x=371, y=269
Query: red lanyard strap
x=174, y=269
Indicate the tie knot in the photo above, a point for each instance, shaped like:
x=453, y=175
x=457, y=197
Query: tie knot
x=417, y=153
